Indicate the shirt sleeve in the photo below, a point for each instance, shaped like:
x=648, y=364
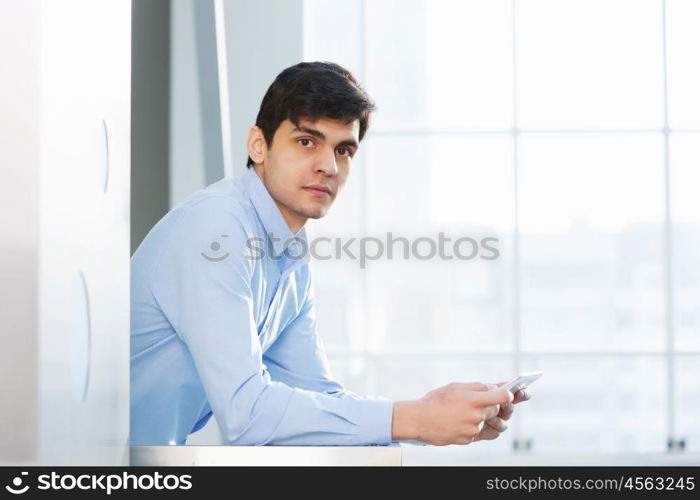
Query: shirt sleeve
x=298, y=358
x=205, y=291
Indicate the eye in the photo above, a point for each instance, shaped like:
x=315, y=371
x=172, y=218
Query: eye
x=305, y=142
x=344, y=152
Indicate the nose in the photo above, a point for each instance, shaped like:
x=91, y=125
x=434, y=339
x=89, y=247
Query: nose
x=327, y=164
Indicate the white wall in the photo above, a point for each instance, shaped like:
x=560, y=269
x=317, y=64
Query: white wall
x=65, y=383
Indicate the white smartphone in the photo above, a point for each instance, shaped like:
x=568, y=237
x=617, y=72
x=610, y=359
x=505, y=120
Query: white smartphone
x=521, y=381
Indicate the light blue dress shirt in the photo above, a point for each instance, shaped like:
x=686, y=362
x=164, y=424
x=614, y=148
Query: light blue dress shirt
x=217, y=326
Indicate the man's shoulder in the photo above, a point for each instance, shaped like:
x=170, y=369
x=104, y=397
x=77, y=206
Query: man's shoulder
x=224, y=200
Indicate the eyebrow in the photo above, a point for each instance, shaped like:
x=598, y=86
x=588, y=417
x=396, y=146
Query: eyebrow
x=322, y=136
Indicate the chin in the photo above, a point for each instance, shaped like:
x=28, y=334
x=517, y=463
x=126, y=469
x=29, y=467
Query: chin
x=316, y=213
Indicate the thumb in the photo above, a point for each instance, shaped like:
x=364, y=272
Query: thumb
x=495, y=396
x=474, y=386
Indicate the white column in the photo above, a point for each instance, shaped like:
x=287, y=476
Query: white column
x=262, y=39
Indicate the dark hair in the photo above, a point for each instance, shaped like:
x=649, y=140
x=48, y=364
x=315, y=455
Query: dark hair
x=313, y=90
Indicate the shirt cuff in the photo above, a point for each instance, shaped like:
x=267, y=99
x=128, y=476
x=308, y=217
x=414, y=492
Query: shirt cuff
x=373, y=417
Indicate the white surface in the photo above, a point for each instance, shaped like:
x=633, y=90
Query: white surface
x=19, y=220
x=265, y=455
x=468, y=455
x=404, y=454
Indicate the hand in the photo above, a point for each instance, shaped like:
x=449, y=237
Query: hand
x=496, y=425
x=457, y=412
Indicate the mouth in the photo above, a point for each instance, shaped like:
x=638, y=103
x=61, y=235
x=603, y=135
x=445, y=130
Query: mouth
x=320, y=191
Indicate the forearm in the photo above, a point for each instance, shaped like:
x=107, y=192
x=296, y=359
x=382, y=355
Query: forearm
x=281, y=415
x=406, y=420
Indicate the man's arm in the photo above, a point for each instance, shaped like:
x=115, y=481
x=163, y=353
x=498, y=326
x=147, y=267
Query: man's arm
x=210, y=305
x=297, y=357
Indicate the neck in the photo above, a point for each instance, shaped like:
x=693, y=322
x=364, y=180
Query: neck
x=293, y=220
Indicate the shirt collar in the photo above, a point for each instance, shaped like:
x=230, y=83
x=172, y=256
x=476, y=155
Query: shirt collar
x=276, y=228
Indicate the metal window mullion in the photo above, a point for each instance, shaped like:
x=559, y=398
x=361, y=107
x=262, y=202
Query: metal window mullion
x=429, y=131
x=370, y=361
x=668, y=247
x=517, y=292
x=505, y=354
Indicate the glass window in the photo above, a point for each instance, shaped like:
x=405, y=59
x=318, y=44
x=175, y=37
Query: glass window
x=543, y=127
x=683, y=39
x=590, y=64
x=590, y=214
x=684, y=154
x=453, y=60
x=596, y=405
x=687, y=375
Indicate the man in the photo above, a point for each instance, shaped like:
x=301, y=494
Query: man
x=223, y=307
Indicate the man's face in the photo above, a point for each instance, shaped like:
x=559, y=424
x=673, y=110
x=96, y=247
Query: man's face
x=307, y=165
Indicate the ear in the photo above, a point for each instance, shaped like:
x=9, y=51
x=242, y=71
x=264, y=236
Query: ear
x=257, y=146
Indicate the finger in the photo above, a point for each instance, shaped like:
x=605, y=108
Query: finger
x=497, y=424
x=491, y=412
x=506, y=411
x=488, y=433
x=521, y=395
